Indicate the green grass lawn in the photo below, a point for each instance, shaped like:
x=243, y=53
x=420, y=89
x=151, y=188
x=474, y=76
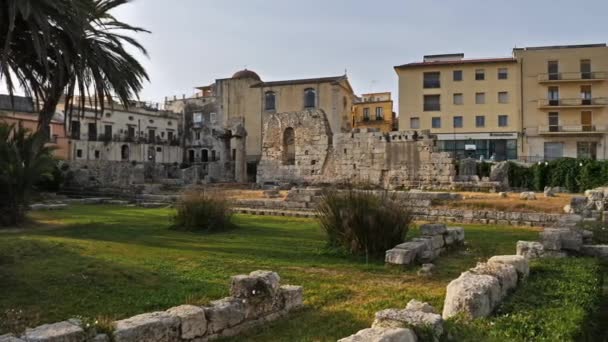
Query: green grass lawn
x=113, y=262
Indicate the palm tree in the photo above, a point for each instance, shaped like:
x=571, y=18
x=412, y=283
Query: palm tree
x=56, y=48
x=24, y=160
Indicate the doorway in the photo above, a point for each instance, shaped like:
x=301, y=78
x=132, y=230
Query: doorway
x=587, y=121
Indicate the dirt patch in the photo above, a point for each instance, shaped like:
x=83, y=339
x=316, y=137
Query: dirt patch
x=512, y=203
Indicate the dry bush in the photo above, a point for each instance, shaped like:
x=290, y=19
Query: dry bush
x=203, y=211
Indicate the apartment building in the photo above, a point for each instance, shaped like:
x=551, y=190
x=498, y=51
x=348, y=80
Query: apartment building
x=471, y=105
x=564, y=101
x=375, y=111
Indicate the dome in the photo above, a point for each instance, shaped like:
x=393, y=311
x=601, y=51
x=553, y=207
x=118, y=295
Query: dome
x=246, y=74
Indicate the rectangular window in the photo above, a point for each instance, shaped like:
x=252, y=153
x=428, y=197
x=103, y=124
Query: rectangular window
x=108, y=132
x=503, y=97
x=379, y=113
x=79, y=153
x=587, y=121
x=365, y=114
x=436, y=122
x=213, y=117
x=197, y=135
x=553, y=70
x=92, y=132
x=415, y=123
x=586, y=94
x=131, y=132
x=553, y=96
x=554, y=150
x=170, y=136
x=480, y=74
x=480, y=98
x=458, y=122
x=503, y=73
x=586, y=69
x=431, y=80
x=586, y=150
x=458, y=99
x=553, y=119
x=432, y=103
x=197, y=118
x=503, y=120
x=75, y=130
x=97, y=154
x=457, y=75
x=151, y=136
x=480, y=121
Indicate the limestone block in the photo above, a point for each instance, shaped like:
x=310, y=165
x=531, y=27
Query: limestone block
x=432, y=229
x=600, y=251
x=473, y=295
x=10, y=338
x=416, y=246
x=224, y=313
x=436, y=241
x=66, y=331
x=293, y=296
x=505, y=273
x=192, y=320
x=521, y=264
x=400, y=256
x=416, y=305
x=382, y=335
x=530, y=249
x=426, y=270
x=154, y=326
x=572, y=240
x=395, y=318
x=549, y=191
x=503, y=195
x=256, y=284
x=448, y=239
x=551, y=239
x=527, y=195
x=101, y=338
x=594, y=195
x=457, y=234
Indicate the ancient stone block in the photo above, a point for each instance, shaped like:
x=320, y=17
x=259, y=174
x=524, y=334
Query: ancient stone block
x=432, y=229
x=436, y=241
x=520, y=263
x=192, y=320
x=256, y=284
x=426, y=270
x=293, y=296
x=505, y=273
x=101, y=338
x=66, y=331
x=473, y=295
x=154, y=326
x=457, y=234
x=416, y=305
x=400, y=256
x=382, y=335
x=395, y=318
x=551, y=239
x=530, y=249
x=224, y=313
x=600, y=251
x=10, y=338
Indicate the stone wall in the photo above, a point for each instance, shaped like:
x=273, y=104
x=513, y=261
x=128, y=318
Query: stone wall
x=254, y=299
x=435, y=240
x=398, y=159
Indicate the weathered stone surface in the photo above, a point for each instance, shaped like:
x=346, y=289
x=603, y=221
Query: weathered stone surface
x=457, y=234
x=433, y=229
x=224, y=313
x=505, y=273
x=415, y=246
x=154, y=327
x=520, y=263
x=572, y=240
x=256, y=284
x=549, y=191
x=416, y=305
x=101, y=338
x=500, y=173
x=400, y=256
x=57, y=332
x=426, y=270
x=192, y=320
x=551, y=239
x=527, y=195
x=503, y=195
x=395, y=318
x=42, y=206
x=10, y=338
x=293, y=296
x=473, y=295
x=382, y=335
x=578, y=204
x=530, y=249
x=436, y=241
x=600, y=251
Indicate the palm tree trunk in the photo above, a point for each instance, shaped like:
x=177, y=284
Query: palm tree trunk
x=48, y=111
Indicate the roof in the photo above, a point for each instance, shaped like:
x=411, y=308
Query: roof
x=246, y=74
x=301, y=81
x=457, y=62
x=21, y=103
x=554, y=47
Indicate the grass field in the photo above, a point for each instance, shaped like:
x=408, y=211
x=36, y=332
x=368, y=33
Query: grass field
x=114, y=262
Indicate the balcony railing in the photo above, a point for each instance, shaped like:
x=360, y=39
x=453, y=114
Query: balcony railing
x=573, y=76
x=571, y=129
x=593, y=102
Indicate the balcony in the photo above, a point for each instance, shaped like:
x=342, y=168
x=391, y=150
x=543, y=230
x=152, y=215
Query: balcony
x=564, y=77
x=572, y=130
x=597, y=102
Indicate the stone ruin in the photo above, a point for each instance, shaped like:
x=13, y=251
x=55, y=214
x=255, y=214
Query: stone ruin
x=254, y=299
x=300, y=148
x=434, y=241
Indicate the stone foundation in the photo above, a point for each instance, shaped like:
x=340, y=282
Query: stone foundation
x=436, y=238
x=255, y=299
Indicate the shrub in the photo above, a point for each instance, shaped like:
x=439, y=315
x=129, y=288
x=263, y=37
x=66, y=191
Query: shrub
x=577, y=175
x=484, y=169
x=51, y=182
x=599, y=229
x=203, y=211
x=559, y=302
x=362, y=223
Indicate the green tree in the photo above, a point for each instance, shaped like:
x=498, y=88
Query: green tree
x=24, y=160
x=56, y=48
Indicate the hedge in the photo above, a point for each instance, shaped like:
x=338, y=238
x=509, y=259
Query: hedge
x=561, y=301
x=577, y=175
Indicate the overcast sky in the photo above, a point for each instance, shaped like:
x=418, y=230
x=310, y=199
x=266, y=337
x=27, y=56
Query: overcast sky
x=193, y=42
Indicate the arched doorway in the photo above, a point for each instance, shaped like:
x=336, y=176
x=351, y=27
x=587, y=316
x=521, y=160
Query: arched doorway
x=289, y=147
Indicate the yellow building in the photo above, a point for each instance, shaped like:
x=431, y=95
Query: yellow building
x=471, y=105
x=374, y=110
x=565, y=101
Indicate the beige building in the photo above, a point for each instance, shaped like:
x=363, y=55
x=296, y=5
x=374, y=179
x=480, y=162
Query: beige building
x=471, y=105
x=375, y=111
x=565, y=101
